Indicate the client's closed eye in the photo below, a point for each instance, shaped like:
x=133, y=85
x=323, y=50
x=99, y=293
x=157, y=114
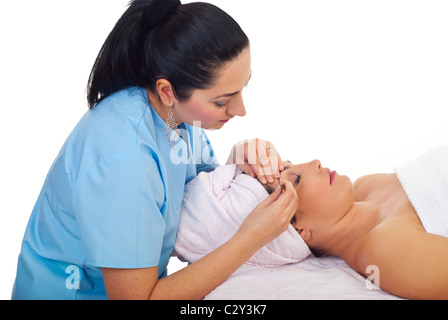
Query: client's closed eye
x=298, y=176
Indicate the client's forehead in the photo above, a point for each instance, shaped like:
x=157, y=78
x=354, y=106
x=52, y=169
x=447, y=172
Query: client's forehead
x=287, y=164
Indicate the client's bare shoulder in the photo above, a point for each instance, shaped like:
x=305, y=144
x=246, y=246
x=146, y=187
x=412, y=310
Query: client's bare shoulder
x=407, y=259
x=365, y=187
x=398, y=245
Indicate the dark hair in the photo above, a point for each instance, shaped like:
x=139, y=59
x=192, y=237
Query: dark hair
x=188, y=47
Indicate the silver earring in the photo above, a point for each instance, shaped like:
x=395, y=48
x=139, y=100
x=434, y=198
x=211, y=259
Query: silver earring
x=171, y=129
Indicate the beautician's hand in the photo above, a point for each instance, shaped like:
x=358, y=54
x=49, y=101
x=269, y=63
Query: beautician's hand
x=270, y=218
x=258, y=158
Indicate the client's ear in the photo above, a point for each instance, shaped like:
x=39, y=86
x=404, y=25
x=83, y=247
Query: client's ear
x=305, y=233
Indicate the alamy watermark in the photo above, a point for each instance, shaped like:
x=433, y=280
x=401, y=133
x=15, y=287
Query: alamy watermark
x=373, y=280
x=73, y=280
x=242, y=152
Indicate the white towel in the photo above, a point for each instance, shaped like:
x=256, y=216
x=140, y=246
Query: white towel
x=425, y=181
x=215, y=205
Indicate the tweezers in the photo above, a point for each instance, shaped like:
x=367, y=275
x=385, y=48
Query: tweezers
x=282, y=186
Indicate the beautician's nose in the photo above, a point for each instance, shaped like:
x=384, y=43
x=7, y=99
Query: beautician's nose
x=237, y=108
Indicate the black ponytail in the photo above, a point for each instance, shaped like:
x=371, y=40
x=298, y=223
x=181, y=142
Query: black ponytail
x=186, y=45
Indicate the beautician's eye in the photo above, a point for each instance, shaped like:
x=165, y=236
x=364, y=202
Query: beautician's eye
x=222, y=104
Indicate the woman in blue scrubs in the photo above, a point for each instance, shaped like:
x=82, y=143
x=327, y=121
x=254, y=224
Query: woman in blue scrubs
x=105, y=222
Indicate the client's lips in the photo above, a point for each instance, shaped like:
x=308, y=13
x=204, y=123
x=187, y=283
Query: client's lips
x=332, y=175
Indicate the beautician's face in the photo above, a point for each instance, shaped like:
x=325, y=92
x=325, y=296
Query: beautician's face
x=324, y=196
x=217, y=105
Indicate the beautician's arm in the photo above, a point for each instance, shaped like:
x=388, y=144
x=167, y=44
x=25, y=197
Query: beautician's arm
x=266, y=222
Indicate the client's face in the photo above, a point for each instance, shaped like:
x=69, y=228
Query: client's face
x=324, y=195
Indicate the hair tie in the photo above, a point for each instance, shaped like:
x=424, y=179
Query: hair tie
x=158, y=10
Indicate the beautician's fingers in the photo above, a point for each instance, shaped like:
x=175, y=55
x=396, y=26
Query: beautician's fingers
x=261, y=159
x=270, y=218
x=257, y=147
x=288, y=200
x=281, y=198
x=292, y=206
x=281, y=167
x=273, y=197
x=250, y=163
x=268, y=159
x=254, y=162
x=259, y=172
x=273, y=171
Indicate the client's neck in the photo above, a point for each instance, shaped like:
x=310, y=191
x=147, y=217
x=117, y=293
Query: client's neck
x=345, y=238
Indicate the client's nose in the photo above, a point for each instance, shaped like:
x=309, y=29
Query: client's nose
x=315, y=165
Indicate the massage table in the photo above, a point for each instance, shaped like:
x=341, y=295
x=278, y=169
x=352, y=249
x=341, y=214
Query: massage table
x=324, y=278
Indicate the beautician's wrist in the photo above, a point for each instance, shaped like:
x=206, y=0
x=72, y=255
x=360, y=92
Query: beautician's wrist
x=246, y=244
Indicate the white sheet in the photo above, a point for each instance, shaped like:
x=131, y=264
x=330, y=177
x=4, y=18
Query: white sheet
x=326, y=278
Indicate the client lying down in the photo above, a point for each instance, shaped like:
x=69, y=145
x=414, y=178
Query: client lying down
x=397, y=222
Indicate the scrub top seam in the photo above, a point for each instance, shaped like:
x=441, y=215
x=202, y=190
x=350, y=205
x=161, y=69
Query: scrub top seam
x=110, y=158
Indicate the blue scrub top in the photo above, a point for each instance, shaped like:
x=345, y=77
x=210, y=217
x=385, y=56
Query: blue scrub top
x=111, y=199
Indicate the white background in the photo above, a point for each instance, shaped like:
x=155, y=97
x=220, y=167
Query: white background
x=360, y=85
